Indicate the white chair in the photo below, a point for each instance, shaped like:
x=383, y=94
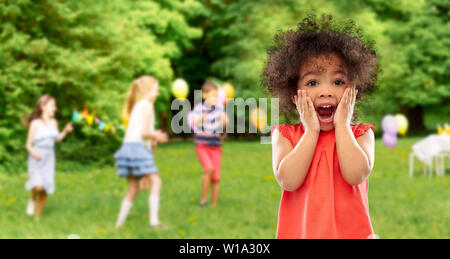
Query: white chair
x=441, y=166
x=438, y=161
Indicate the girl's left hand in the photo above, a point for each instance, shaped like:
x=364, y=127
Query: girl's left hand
x=68, y=128
x=344, y=111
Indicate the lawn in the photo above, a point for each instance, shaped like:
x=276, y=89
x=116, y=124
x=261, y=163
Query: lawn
x=87, y=199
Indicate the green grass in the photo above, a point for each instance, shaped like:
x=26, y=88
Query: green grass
x=87, y=200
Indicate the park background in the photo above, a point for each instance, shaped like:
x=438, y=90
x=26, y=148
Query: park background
x=86, y=54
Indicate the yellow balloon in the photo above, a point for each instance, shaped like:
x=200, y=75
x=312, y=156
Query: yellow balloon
x=180, y=89
x=258, y=118
x=229, y=90
x=402, y=124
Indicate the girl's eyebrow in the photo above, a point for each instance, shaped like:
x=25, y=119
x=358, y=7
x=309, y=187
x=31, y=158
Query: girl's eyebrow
x=340, y=72
x=310, y=73
x=318, y=73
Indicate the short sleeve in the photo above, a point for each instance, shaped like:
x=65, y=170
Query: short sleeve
x=284, y=129
x=360, y=129
x=56, y=126
x=145, y=106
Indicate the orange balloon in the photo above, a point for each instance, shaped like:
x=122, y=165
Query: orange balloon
x=258, y=118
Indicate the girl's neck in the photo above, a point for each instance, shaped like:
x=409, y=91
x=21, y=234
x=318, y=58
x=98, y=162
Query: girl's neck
x=45, y=119
x=327, y=128
x=148, y=97
x=145, y=98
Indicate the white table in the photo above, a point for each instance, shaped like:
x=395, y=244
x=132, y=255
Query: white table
x=432, y=148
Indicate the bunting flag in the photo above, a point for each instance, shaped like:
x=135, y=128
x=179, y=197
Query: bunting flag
x=90, y=119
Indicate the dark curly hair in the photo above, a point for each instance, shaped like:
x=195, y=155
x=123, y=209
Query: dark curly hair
x=313, y=38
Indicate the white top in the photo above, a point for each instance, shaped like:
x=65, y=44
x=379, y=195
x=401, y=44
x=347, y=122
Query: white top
x=136, y=122
x=45, y=135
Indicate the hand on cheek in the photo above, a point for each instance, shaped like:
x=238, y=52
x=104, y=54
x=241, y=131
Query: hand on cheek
x=344, y=111
x=306, y=111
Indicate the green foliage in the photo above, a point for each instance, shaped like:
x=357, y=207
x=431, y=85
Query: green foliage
x=424, y=41
x=415, y=59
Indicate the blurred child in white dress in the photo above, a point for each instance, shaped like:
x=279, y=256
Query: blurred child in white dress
x=42, y=134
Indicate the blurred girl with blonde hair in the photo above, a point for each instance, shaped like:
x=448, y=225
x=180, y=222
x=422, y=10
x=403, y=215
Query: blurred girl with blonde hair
x=134, y=159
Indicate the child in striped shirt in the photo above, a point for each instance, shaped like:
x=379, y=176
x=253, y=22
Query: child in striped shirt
x=209, y=119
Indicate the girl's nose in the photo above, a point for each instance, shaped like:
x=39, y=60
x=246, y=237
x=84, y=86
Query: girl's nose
x=326, y=94
x=326, y=91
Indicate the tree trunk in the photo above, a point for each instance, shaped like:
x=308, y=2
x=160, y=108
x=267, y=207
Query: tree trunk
x=164, y=122
x=415, y=117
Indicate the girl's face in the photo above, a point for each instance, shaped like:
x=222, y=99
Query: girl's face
x=152, y=93
x=49, y=108
x=324, y=79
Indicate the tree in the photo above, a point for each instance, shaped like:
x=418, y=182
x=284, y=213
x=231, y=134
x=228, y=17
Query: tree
x=417, y=76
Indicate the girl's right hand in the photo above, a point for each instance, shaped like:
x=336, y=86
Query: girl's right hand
x=162, y=137
x=68, y=128
x=307, y=111
x=37, y=157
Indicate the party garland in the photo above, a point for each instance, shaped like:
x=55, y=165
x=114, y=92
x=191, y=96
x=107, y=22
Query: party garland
x=180, y=90
x=90, y=119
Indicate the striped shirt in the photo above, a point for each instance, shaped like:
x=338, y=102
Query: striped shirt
x=210, y=131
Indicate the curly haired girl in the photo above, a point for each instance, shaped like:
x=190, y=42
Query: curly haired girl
x=323, y=163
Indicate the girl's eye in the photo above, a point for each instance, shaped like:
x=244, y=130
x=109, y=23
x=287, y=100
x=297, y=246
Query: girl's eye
x=339, y=82
x=312, y=83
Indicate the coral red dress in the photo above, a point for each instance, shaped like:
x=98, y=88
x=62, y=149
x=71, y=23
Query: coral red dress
x=325, y=205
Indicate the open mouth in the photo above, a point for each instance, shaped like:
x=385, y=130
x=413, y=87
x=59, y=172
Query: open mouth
x=325, y=112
